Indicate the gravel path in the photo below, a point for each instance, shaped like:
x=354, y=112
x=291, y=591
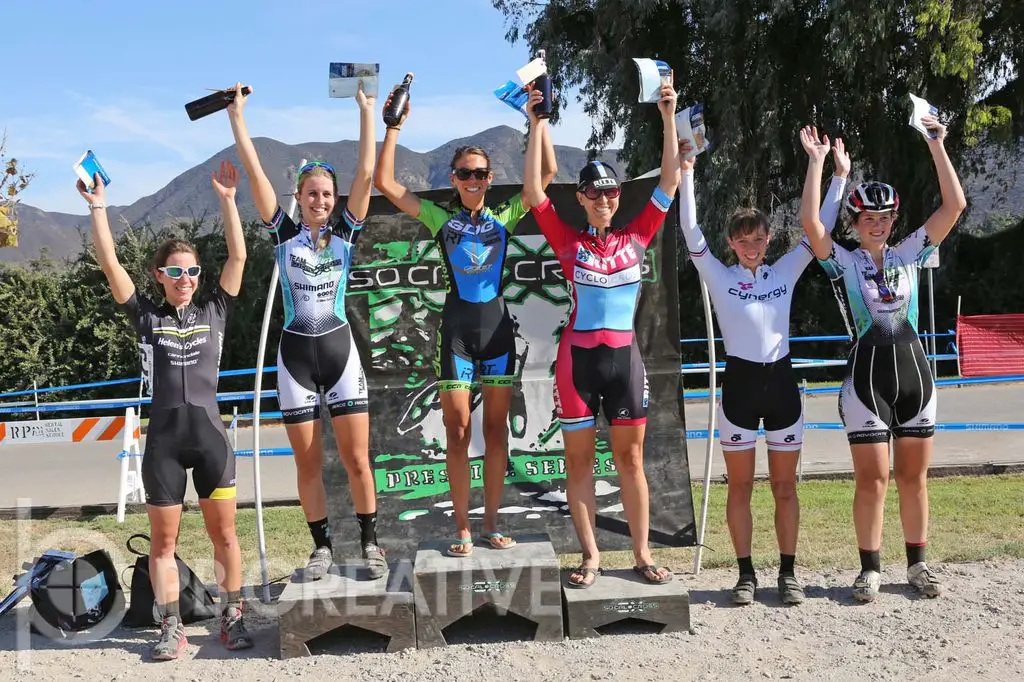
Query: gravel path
x=975, y=632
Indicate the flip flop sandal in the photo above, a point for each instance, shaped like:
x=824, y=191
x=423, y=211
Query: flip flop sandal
x=586, y=573
x=494, y=540
x=646, y=572
x=462, y=542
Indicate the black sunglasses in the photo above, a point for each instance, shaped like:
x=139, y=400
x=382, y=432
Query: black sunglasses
x=475, y=173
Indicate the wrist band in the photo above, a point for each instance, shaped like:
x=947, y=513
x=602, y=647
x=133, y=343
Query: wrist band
x=394, y=127
x=93, y=207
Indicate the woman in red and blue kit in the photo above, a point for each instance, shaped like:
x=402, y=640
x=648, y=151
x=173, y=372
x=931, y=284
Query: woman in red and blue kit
x=599, y=364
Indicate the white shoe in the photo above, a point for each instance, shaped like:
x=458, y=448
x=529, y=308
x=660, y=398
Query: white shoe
x=922, y=580
x=865, y=587
x=320, y=562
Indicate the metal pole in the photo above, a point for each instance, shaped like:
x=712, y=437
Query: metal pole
x=257, y=491
x=931, y=320
x=803, y=411
x=234, y=427
x=712, y=383
x=35, y=396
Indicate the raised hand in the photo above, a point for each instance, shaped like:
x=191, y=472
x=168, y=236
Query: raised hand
x=364, y=101
x=98, y=194
x=667, y=103
x=841, y=158
x=933, y=125
x=685, y=148
x=236, y=106
x=405, y=114
x=225, y=181
x=816, y=148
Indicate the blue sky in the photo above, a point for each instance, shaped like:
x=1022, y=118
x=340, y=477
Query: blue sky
x=113, y=76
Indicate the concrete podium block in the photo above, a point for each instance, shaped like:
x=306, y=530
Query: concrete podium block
x=522, y=580
x=346, y=596
x=620, y=595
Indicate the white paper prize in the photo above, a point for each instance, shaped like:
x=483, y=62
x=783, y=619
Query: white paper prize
x=653, y=73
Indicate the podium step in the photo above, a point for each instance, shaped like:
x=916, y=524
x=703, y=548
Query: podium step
x=522, y=580
x=619, y=595
x=346, y=596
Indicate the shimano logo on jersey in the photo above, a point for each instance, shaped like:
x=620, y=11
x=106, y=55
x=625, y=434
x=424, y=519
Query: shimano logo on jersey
x=318, y=269
x=624, y=256
x=741, y=294
x=326, y=286
x=630, y=275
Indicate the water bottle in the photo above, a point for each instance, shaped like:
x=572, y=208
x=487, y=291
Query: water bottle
x=543, y=83
x=399, y=99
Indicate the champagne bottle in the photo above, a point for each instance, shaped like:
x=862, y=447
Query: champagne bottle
x=399, y=99
x=543, y=83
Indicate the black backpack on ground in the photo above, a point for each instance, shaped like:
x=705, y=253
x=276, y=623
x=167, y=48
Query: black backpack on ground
x=194, y=600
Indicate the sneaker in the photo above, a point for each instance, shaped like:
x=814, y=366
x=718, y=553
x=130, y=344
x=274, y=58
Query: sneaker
x=790, y=590
x=376, y=561
x=923, y=580
x=865, y=587
x=232, y=630
x=320, y=562
x=172, y=640
x=743, y=593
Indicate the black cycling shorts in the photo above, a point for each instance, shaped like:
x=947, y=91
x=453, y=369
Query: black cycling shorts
x=753, y=392
x=181, y=438
x=328, y=362
x=476, y=340
x=589, y=379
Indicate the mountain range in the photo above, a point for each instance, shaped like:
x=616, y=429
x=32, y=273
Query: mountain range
x=190, y=196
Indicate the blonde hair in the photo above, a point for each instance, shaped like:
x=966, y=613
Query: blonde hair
x=314, y=172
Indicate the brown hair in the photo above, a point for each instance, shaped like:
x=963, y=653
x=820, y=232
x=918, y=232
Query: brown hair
x=746, y=221
x=319, y=171
x=168, y=249
x=466, y=150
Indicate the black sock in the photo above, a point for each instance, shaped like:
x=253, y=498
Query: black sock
x=870, y=560
x=367, y=528
x=321, y=532
x=787, y=565
x=746, y=565
x=232, y=598
x=915, y=552
x=169, y=610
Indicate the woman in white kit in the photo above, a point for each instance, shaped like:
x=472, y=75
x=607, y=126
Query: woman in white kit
x=752, y=302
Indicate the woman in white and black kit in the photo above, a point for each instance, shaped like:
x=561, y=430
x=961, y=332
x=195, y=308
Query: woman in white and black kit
x=752, y=304
x=316, y=351
x=888, y=390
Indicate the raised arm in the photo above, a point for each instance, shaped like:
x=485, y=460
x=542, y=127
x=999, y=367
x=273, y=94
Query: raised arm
x=121, y=285
x=833, y=203
x=670, y=141
x=384, y=176
x=817, y=235
x=533, y=180
x=225, y=184
x=548, y=162
x=262, y=191
x=953, y=200
x=359, y=194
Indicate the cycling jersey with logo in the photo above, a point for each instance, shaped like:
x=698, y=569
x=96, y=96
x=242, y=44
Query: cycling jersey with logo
x=883, y=302
x=604, y=277
x=476, y=337
x=180, y=361
x=752, y=309
x=474, y=253
x=313, y=282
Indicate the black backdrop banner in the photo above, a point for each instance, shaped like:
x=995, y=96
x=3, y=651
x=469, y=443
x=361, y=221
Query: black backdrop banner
x=396, y=292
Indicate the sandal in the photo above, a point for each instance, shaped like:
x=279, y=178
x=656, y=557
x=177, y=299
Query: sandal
x=586, y=572
x=495, y=538
x=651, y=573
x=465, y=546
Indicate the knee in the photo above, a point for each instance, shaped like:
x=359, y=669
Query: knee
x=495, y=432
x=309, y=467
x=911, y=480
x=631, y=463
x=741, y=488
x=162, y=544
x=873, y=482
x=224, y=537
x=783, y=490
x=457, y=430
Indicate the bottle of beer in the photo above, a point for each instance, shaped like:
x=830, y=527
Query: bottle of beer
x=543, y=83
x=399, y=99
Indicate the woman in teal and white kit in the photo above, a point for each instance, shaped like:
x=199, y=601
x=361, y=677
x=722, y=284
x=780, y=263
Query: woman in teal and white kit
x=752, y=304
x=888, y=390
